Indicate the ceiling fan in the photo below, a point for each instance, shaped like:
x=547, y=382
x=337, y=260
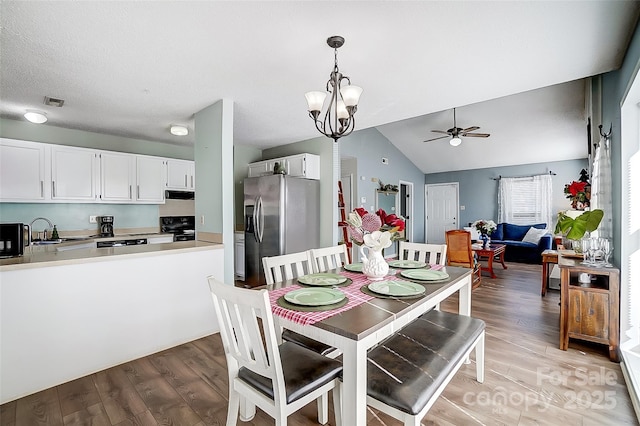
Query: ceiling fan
x=456, y=132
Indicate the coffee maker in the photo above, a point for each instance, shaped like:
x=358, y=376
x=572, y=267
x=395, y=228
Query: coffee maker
x=106, y=226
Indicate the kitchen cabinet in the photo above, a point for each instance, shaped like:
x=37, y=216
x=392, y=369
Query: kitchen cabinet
x=300, y=165
x=150, y=179
x=117, y=176
x=74, y=172
x=590, y=305
x=239, y=255
x=181, y=175
x=22, y=171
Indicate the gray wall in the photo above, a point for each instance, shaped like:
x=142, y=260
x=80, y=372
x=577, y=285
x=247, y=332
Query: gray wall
x=479, y=192
x=614, y=87
x=368, y=147
x=75, y=217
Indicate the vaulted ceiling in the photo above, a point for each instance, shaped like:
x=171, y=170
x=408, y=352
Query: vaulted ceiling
x=133, y=68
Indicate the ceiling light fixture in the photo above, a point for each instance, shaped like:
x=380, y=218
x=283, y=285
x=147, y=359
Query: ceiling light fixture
x=37, y=117
x=343, y=104
x=177, y=130
x=455, y=141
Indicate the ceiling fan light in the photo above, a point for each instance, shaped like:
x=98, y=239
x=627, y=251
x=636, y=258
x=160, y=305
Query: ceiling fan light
x=177, y=130
x=351, y=95
x=455, y=141
x=315, y=100
x=36, y=117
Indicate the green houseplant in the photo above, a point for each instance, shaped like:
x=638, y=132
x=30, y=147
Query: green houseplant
x=574, y=229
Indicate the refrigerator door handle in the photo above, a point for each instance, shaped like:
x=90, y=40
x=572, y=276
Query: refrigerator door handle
x=260, y=228
x=255, y=219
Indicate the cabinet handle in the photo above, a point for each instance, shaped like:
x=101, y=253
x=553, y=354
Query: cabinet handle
x=129, y=191
x=138, y=191
x=192, y=181
x=53, y=188
x=42, y=188
x=185, y=181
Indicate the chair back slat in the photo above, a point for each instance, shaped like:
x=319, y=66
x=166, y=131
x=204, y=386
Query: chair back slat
x=434, y=254
x=286, y=266
x=327, y=258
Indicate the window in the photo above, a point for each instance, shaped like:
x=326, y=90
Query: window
x=525, y=200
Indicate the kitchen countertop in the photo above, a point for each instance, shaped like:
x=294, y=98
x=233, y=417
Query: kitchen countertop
x=40, y=259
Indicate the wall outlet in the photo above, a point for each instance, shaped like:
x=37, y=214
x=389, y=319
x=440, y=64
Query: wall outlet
x=374, y=180
x=202, y=220
x=461, y=207
x=93, y=219
x=385, y=160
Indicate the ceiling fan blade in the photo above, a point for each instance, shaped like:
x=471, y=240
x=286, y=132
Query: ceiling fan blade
x=441, y=131
x=470, y=129
x=476, y=135
x=435, y=139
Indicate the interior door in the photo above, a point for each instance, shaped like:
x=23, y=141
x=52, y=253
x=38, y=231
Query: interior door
x=442, y=211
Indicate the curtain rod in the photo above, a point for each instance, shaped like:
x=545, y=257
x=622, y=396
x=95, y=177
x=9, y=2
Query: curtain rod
x=518, y=177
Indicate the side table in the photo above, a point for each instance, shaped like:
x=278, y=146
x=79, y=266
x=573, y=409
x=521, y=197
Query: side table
x=494, y=251
x=548, y=257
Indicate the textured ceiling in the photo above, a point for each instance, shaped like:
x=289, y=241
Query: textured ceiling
x=133, y=68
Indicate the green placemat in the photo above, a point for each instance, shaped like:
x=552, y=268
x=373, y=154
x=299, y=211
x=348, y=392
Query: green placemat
x=284, y=304
x=402, y=277
x=349, y=281
x=365, y=290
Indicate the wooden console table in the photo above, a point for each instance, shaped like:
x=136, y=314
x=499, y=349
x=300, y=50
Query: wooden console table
x=590, y=310
x=548, y=257
x=494, y=250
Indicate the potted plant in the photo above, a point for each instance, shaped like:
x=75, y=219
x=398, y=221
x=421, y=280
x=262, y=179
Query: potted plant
x=575, y=229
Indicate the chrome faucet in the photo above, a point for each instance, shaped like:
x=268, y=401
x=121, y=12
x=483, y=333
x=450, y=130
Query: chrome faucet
x=45, y=231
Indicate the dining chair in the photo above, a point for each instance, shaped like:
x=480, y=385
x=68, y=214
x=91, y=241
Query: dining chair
x=433, y=254
x=327, y=258
x=287, y=267
x=459, y=253
x=280, y=379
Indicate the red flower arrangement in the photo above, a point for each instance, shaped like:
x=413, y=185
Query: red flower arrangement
x=361, y=222
x=579, y=193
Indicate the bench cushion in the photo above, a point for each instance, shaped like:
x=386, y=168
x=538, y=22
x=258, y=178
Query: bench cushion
x=303, y=371
x=405, y=370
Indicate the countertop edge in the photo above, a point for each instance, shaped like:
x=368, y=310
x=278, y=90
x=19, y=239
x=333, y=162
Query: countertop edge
x=80, y=256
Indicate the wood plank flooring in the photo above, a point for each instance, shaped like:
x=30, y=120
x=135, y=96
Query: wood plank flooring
x=528, y=380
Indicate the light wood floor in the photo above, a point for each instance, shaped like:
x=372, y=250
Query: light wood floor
x=528, y=380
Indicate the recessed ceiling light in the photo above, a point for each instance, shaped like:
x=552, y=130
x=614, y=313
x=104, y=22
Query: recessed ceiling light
x=179, y=130
x=37, y=117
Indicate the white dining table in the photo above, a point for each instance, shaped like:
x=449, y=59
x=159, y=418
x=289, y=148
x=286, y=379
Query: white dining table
x=357, y=330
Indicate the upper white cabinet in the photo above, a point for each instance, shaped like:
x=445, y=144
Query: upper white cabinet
x=150, y=179
x=74, y=172
x=39, y=172
x=22, y=171
x=300, y=165
x=117, y=176
x=181, y=175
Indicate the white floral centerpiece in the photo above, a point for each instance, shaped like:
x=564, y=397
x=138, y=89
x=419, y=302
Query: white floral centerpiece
x=485, y=227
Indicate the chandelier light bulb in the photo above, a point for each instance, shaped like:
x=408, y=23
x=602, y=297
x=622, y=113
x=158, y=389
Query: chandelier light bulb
x=351, y=95
x=36, y=117
x=455, y=141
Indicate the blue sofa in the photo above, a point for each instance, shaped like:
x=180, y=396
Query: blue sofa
x=517, y=250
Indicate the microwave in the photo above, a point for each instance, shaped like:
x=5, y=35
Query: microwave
x=12, y=239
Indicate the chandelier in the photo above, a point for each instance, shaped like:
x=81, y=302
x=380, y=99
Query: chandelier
x=343, y=102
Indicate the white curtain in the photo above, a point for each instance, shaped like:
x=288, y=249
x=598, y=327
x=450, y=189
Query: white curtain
x=601, y=186
x=525, y=200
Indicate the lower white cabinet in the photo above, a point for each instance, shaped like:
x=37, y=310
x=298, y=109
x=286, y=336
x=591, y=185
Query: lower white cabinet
x=239, y=255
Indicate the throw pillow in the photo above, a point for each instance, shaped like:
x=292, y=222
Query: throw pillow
x=533, y=235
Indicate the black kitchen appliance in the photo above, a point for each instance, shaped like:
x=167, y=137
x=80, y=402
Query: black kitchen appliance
x=183, y=228
x=13, y=238
x=106, y=226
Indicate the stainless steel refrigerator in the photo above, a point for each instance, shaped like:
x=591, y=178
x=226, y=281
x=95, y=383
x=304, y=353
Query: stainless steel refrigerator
x=282, y=216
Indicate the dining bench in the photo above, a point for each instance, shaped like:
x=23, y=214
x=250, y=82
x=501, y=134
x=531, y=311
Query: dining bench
x=408, y=371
